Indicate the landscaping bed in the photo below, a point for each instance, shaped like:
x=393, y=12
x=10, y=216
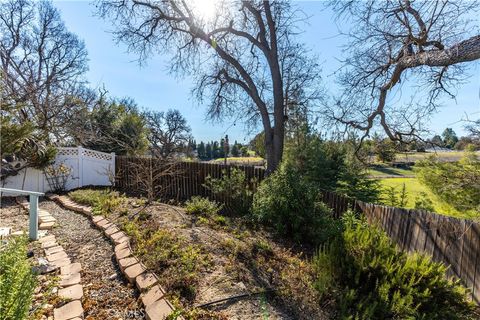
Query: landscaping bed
x=204, y=258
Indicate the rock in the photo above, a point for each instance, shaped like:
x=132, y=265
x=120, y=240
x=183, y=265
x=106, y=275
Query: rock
x=69, y=311
x=74, y=292
x=158, y=310
x=71, y=268
x=134, y=271
x=145, y=281
x=44, y=269
x=155, y=293
x=69, y=280
x=112, y=277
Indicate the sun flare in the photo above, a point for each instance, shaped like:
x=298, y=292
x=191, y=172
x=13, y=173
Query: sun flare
x=204, y=9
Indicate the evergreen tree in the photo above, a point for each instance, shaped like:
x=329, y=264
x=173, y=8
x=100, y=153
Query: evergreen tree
x=201, y=152
x=235, y=149
x=208, y=151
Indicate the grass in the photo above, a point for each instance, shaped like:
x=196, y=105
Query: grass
x=382, y=170
x=442, y=156
x=240, y=159
x=413, y=188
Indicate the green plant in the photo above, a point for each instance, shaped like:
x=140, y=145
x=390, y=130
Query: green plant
x=289, y=205
x=103, y=202
x=234, y=186
x=173, y=259
x=17, y=281
x=374, y=280
x=423, y=202
x=395, y=198
x=200, y=206
x=456, y=183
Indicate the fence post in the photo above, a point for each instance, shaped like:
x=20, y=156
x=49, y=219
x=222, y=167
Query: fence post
x=33, y=228
x=80, y=166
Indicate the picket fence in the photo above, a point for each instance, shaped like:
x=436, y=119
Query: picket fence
x=88, y=167
x=454, y=242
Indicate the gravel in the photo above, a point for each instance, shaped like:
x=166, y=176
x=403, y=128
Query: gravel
x=107, y=295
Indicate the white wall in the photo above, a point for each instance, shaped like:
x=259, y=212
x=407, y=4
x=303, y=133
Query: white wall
x=89, y=167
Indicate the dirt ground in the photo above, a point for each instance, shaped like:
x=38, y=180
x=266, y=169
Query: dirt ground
x=226, y=276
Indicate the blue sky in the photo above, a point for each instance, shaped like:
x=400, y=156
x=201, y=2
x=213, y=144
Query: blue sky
x=152, y=87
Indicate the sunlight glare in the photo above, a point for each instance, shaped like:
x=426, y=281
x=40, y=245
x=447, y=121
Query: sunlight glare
x=205, y=9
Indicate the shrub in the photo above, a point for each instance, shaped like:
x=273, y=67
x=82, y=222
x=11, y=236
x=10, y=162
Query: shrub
x=422, y=202
x=375, y=280
x=200, y=206
x=289, y=205
x=234, y=186
x=170, y=256
x=456, y=183
x=17, y=282
x=103, y=202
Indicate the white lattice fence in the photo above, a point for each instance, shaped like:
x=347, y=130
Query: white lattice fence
x=89, y=167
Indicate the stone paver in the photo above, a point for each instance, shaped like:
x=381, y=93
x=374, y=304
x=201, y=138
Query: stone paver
x=117, y=235
x=121, y=240
x=45, y=239
x=111, y=229
x=155, y=293
x=69, y=311
x=121, y=246
x=49, y=244
x=145, y=281
x=57, y=256
x=74, y=292
x=69, y=279
x=52, y=250
x=96, y=219
x=134, y=271
x=46, y=226
x=71, y=268
x=158, y=310
x=61, y=262
x=123, y=253
x=126, y=262
x=102, y=222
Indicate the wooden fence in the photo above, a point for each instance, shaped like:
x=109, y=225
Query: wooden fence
x=455, y=242
x=186, y=179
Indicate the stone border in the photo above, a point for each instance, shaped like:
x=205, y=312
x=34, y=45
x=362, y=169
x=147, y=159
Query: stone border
x=70, y=287
x=157, y=307
x=45, y=220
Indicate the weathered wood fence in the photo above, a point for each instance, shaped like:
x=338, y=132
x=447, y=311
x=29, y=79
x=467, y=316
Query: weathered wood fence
x=455, y=242
x=185, y=179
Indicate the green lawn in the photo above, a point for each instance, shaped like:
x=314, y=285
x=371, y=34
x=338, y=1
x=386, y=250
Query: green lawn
x=382, y=170
x=414, y=188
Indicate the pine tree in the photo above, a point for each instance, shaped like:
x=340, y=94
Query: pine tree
x=208, y=151
x=201, y=152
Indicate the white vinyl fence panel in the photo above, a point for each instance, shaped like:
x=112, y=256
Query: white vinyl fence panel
x=89, y=167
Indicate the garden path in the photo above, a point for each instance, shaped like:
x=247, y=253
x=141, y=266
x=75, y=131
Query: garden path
x=107, y=294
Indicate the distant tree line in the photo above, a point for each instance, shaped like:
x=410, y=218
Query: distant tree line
x=220, y=149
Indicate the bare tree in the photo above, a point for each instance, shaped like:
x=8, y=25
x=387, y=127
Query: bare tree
x=42, y=64
x=392, y=41
x=168, y=133
x=243, y=58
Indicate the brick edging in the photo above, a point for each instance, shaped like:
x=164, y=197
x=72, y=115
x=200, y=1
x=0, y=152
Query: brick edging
x=70, y=279
x=157, y=307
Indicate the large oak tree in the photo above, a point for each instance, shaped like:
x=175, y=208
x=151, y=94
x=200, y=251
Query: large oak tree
x=245, y=59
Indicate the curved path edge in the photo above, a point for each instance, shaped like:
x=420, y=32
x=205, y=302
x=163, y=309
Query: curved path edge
x=157, y=307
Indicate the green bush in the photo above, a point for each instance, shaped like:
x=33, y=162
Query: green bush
x=290, y=206
x=103, y=202
x=456, y=183
x=332, y=166
x=233, y=186
x=17, y=281
x=200, y=206
x=374, y=280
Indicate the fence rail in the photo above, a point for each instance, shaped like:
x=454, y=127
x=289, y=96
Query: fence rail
x=454, y=242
